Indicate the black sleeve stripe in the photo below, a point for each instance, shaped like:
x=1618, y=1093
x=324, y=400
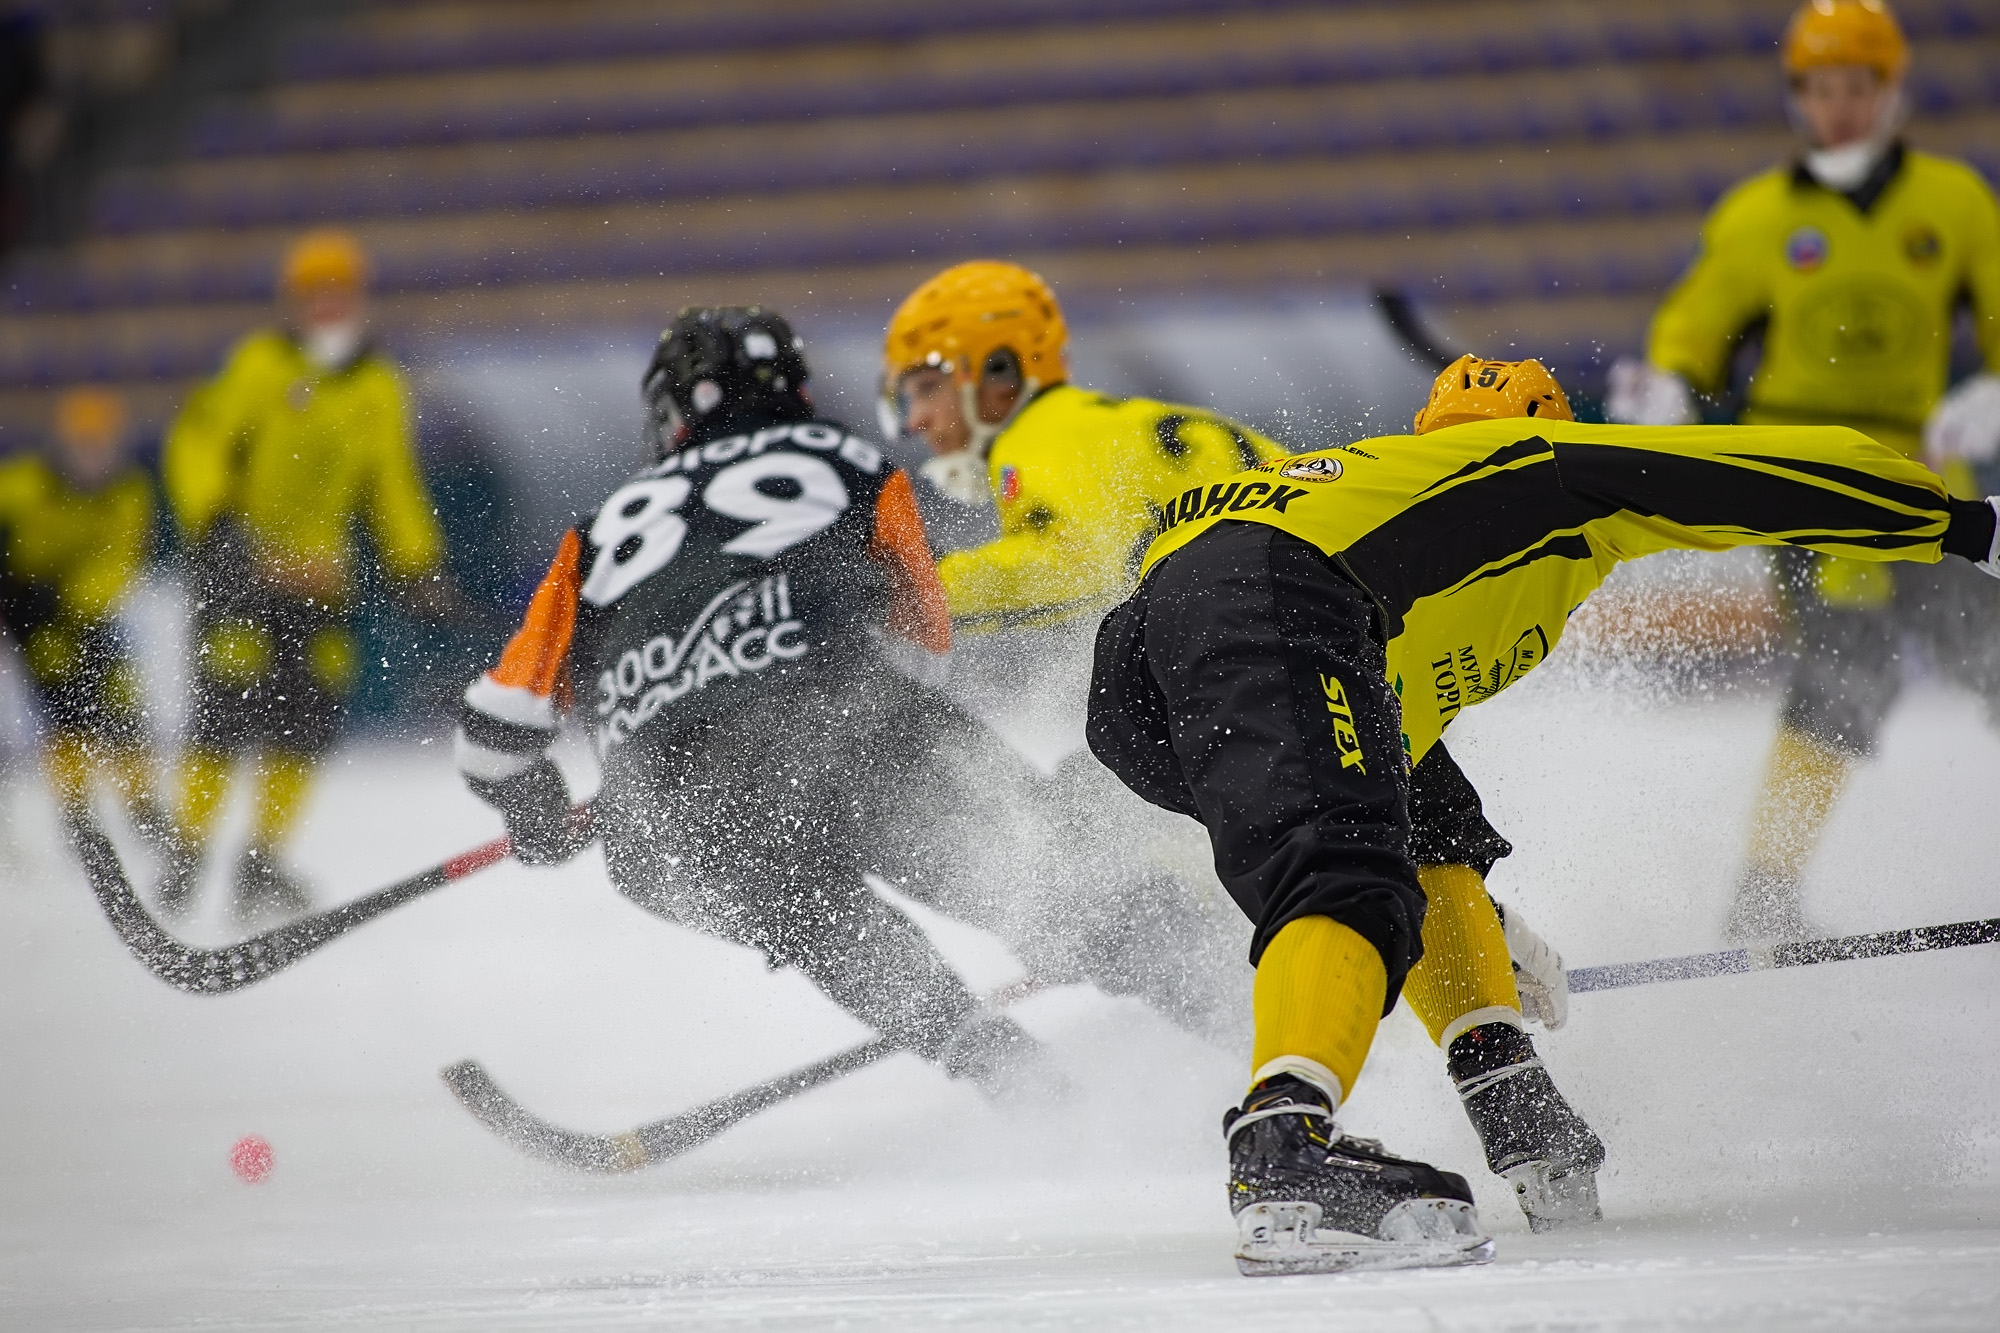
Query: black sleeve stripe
x=506, y=737
x=1711, y=493
x=1498, y=458
x=1876, y=541
x=1892, y=492
x=1437, y=543
x=1570, y=546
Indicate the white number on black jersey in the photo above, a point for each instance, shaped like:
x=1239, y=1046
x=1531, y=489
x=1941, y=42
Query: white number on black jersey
x=788, y=497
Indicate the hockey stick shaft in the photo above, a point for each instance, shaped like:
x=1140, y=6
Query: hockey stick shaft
x=234, y=966
x=1803, y=953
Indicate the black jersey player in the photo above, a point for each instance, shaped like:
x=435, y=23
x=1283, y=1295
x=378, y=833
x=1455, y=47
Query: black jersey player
x=722, y=625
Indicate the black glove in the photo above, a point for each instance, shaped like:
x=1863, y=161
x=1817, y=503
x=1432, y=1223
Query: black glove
x=535, y=804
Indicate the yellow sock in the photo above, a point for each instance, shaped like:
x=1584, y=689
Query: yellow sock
x=283, y=780
x=1801, y=784
x=1466, y=976
x=67, y=762
x=1317, y=1000
x=204, y=783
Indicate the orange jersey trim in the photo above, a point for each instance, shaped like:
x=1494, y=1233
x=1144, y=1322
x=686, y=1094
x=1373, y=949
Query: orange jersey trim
x=536, y=659
x=917, y=609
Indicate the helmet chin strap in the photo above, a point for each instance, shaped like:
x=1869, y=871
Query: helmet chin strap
x=961, y=474
x=1846, y=167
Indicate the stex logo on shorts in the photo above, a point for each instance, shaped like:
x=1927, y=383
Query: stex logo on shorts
x=1345, y=738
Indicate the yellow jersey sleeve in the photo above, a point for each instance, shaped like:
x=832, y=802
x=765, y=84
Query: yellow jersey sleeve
x=201, y=458
x=1723, y=292
x=1079, y=479
x=398, y=505
x=120, y=521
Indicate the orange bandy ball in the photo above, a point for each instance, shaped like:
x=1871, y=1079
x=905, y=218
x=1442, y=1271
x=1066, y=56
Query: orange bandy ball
x=250, y=1159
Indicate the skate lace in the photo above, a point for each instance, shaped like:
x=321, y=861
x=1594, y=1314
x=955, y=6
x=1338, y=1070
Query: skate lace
x=1269, y=1112
x=1366, y=1145
x=1468, y=1088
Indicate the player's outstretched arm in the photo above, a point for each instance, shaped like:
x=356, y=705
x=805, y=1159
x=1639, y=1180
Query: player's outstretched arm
x=509, y=717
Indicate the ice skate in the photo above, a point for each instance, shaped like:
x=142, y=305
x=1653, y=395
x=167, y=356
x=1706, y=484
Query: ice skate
x=1768, y=909
x=265, y=892
x=1532, y=1137
x=1309, y=1199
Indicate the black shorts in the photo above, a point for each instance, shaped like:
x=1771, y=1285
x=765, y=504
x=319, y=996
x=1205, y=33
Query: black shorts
x=1244, y=684
x=759, y=829
x=86, y=683
x=1849, y=669
x=272, y=673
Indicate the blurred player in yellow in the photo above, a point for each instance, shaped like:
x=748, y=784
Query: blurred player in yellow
x=1852, y=259
x=305, y=432
x=975, y=360
x=77, y=527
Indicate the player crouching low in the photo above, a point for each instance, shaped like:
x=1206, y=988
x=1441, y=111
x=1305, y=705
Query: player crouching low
x=1272, y=678
x=720, y=618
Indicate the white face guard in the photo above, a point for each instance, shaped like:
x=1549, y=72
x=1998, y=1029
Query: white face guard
x=332, y=346
x=1846, y=167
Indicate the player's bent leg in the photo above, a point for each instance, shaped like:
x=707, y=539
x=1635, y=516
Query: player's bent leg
x=1463, y=991
x=1848, y=674
x=1802, y=783
x=1245, y=684
x=1306, y=1197
x=265, y=889
x=201, y=785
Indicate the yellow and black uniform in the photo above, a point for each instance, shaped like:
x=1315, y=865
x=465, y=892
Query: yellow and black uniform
x=71, y=555
x=1855, y=292
x=1080, y=479
x=268, y=469
x=1309, y=629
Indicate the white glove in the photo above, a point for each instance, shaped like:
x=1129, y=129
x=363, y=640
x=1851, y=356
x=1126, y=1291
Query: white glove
x=1966, y=424
x=1538, y=972
x=1641, y=394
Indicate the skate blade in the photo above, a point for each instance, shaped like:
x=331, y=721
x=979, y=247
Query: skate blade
x=1554, y=1202
x=1279, y=1238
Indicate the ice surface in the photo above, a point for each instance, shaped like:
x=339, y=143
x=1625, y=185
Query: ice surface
x=1809, y=1149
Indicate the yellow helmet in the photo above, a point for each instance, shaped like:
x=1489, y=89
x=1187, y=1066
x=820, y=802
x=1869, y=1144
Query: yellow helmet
x=1470, y=389
x=325, y=259
x=966, y=314
x=90, y=417
x=1846, y=32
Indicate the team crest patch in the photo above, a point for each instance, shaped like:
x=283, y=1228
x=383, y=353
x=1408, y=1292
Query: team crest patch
x=1010, y=483
x=1805, y=249
x=1312, y=469
x=1922, y=246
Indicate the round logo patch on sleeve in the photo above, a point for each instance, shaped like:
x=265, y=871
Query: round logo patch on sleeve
x=1322, y=468
x=1805, y=249
x=1922, y=245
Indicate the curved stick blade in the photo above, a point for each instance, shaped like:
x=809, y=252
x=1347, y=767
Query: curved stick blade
x=649, y=1143
x=234, y=966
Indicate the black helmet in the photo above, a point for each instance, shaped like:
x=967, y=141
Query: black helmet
x=721, y=369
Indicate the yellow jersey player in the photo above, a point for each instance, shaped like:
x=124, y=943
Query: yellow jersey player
x=77, y=528
x=305, y=431
x=976, y=360
x=1853, y=260
x=975, y=363
x=1307, y=630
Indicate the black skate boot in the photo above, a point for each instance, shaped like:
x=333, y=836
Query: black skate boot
x=1309, y=1199
x=1768, y=908
x=1532, y=1137
x=1003, y=1061
x=266, y=893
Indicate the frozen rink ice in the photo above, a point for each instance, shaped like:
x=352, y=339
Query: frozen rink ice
x=1809, y=1149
